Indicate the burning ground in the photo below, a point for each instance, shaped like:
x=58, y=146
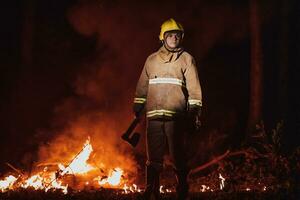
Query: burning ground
x=255, y=172
x=77, y=174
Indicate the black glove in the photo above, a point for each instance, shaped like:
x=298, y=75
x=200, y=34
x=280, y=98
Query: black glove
x=195, y=111
x=194, y=114
x=137, y=109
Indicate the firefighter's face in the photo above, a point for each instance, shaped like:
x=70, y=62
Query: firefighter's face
x=173, y=39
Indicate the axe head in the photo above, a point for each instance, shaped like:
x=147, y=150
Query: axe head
x=133, y=140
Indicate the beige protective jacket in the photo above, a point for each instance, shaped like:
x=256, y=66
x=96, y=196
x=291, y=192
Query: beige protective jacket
x=168, y=84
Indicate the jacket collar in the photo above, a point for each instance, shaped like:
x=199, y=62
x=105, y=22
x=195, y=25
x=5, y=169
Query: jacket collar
x=169, y=56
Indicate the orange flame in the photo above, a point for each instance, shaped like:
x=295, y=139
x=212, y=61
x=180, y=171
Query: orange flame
x=113, y=179
x=45, y=181
x=129, y=189
x=53, y=180
x=7, y=183
x=79, y=164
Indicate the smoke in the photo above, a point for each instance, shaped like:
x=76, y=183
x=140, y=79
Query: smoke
x=125, y=34
x=98, y=110
x=206, y=24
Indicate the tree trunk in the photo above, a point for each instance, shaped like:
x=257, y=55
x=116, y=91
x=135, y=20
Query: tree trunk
x=256, y=71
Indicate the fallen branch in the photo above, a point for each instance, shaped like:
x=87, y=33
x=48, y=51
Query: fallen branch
x=15, y=169
x=221, y=157
x=248, y=153
x=208, y=164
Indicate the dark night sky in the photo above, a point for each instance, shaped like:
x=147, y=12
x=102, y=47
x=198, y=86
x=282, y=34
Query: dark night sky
x=64, y=59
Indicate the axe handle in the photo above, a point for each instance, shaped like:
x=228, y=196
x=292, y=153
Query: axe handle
x=131, y=127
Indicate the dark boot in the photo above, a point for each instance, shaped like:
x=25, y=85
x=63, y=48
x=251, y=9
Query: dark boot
x=152, y=184
x=182, y=188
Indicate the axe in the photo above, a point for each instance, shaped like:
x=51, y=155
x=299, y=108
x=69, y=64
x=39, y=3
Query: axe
x=129, y=136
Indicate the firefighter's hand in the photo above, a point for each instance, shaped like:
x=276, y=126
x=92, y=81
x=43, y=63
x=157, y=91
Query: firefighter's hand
x=195, y=111
x=194, y=119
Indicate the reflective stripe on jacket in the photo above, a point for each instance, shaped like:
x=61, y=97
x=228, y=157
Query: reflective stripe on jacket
x=168, y=84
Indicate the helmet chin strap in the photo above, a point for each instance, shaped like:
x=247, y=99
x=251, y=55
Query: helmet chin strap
x=172, y=50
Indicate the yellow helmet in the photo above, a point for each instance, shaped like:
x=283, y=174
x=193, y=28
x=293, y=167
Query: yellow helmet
x=170, y=25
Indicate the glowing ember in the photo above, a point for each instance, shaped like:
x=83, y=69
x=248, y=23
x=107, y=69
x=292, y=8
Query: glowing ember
x=136, y=188
x=161, y=189
x=222, y=184
x=164, y=190
x=79, y=164
x=7, y=183
x=130, y=189
x=126, y=189
x=265, y=188
x=204, y=188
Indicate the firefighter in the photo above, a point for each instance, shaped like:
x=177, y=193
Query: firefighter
x=169, y=89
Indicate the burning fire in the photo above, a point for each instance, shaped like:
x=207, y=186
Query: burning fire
x=133, y=188
x=40, y=182
x=54, y=180
x=7, y=183
x=48, y=180
x=113, y=179
x=79, y=164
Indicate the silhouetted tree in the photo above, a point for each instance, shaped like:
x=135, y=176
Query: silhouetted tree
x=256, y=70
